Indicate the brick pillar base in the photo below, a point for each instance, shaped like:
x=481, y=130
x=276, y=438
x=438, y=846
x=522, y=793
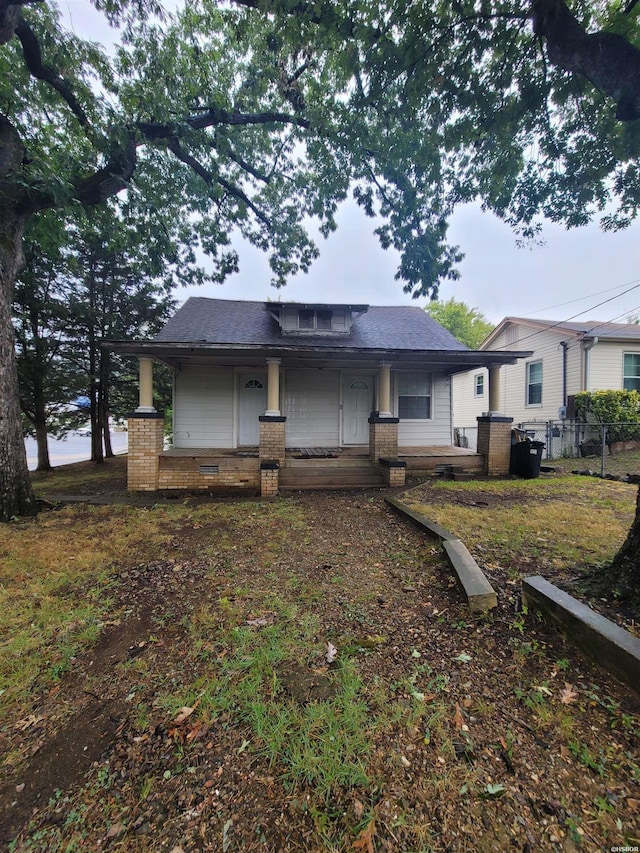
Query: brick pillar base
x=269, y=476
x=272, y=438
x=146, y=440
x=494, y=443
x=383, y=438
x=394, y=472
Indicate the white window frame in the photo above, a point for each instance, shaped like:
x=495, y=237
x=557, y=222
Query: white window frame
x=626, y=376
x=478, y=381
x=428, y=383
x=529, y=384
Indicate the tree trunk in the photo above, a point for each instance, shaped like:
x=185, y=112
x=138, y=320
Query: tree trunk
x=623, y=575
x=44, y=463
x=608, y=60
x=105, y=370
x=16, y=493
x=40, y=423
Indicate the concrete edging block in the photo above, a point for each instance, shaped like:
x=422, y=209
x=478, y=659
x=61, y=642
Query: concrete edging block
x=611, y=646
x=421, y=520
x=480, y=594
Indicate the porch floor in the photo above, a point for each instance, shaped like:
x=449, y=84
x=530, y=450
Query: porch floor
x=320, y=452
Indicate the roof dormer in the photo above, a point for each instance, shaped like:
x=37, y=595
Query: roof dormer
x=295, y=318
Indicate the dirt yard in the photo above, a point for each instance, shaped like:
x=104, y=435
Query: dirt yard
x=302, y=675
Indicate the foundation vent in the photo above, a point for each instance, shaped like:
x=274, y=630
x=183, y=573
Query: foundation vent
x=209, y=469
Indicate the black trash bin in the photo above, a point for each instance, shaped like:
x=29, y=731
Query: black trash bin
x=526, y=457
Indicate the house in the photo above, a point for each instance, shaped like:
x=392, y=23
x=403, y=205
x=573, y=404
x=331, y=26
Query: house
x=263, y=390
x=566, y=358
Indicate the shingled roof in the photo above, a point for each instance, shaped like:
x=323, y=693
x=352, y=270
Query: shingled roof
x=585, y=329
x=225, y=321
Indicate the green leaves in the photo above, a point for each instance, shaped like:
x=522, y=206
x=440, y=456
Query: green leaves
x=263, y=116
x=468, y=325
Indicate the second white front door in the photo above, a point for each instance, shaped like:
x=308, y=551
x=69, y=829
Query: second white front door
x=252, y=402
x=357, y=402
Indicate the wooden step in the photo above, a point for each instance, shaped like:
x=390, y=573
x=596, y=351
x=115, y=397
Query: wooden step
x=419, y=464
x=314, y=464
x=356, y=477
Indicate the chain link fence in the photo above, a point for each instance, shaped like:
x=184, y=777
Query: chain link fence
x=605, y=449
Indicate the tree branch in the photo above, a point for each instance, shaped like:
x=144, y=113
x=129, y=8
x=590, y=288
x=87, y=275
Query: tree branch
x=209, y=177
x=213, y=116
x=33, y=60
x=607, y=60
x=10, y=12
x=247, y=167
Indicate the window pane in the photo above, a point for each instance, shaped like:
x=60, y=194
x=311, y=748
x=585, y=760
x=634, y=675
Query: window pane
x=534, y=383
x=414, y=396
x=413, y=384
x=535, y=372
x=323, y=319
x=414, y=408
x=305, y=319
x=535, y=395
x=631, y=365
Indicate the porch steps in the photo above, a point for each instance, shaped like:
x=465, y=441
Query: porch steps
x=358, y=476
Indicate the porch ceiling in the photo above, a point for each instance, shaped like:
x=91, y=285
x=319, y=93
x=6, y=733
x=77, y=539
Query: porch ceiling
x=319, y=357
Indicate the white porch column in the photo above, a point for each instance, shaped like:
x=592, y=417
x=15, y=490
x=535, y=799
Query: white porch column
x=494, y=389
x=384, y=390
x=273, y=387
x=146, y=386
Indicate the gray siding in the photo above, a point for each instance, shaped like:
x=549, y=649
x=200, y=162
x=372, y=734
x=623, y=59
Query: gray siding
x=312, y=408
x=204, y=407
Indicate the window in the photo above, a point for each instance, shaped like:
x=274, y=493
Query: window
x=479, y=384
x=308, y=320
x=414, y=396
x=631, y=371
x=314, y=320
x=534, y=383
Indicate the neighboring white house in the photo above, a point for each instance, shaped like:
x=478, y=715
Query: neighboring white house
x=567, y=358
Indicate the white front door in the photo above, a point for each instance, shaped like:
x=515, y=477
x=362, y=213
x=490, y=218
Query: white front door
x=252, y=402
x=357, y=402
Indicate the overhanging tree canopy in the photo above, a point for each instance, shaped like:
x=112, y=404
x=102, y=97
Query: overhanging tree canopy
x=258, y=116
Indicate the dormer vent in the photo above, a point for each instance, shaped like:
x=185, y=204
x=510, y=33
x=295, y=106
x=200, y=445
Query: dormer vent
x=297, y=319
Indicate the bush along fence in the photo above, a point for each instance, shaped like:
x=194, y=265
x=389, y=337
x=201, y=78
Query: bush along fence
x=604, y=449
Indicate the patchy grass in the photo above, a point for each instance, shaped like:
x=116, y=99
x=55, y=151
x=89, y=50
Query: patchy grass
x=57, y=580
x=231, y=729
x=83, y=478
x=565, y=523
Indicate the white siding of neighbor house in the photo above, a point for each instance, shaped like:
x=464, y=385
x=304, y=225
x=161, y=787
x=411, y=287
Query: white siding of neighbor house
x=312, y=408
x=438, y=430
x=513, y=378
x=203, y=407
x=466, y=406
x=606, y=369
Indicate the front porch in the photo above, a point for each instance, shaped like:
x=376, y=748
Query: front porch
x=304, y=467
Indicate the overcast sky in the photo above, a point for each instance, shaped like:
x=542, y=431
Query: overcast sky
x=571, y=272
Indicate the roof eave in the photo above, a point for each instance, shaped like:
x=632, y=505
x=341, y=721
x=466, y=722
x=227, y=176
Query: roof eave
x=464, y=359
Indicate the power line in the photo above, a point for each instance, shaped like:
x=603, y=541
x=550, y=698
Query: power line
x=580, y=298
x=573, y=317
